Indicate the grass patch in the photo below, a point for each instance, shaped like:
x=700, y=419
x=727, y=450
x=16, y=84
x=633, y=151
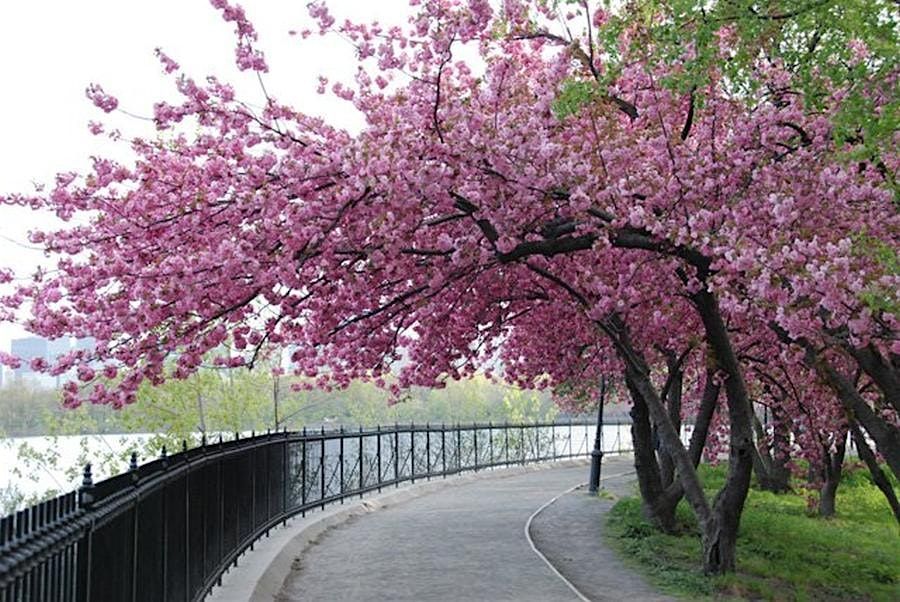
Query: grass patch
x=782, y=552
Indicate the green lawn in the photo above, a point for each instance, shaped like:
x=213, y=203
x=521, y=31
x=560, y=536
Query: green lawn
x=783, y=553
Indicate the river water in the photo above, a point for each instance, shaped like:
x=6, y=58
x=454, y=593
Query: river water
x=35, y=465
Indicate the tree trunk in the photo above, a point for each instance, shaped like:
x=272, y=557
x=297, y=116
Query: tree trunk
x=667, y=503
x=885, y=376
x=885, y=435
x=645, y=464
x=704, y=416
x=878, y=476
x=672, y=394
x=720, y=532
x=831, y=472
x=770, y=465
x=720, y=523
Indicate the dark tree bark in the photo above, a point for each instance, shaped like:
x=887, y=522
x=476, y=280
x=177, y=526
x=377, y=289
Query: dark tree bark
x=771, y=463
x=720, y=522
x=645, y=463
x=720, y=531
x=674, y=492
x=885, y=376
x=704, y=416
x=832, y=468
x=672, y=394
x=884, y=434
x=878, y=476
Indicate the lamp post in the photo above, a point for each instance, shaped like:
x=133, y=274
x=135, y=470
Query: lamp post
x=597, y=452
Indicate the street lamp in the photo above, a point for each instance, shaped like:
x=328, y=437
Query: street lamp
x=597, y=452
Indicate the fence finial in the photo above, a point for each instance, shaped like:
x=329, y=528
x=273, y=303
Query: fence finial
x=133, y=464
x=86, y=491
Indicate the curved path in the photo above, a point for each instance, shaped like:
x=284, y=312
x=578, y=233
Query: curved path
x=468, y=542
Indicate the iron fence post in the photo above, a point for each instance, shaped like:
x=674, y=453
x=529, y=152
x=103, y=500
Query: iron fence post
x=428, y=449
x=135, y=480
x=303, y=475
x=475, y=443
x=284, y=479
x=412, y=451
x=444, y=450
x=491, y=441
x=187, y=522
x=458, y=448
x=362, y=476
x=322, y=469
x=84, y=558
x=506, y=440
x=522, y=444
x=396, y=455
x=553, y=439
x=378, y=455
x=341, y=460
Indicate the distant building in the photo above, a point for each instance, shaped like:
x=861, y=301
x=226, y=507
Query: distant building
x=30, y=348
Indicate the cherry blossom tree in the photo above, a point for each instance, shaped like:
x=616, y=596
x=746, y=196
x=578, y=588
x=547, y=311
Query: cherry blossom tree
x=546, y=201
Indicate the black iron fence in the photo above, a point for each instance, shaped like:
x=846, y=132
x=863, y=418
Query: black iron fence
x=168, y=529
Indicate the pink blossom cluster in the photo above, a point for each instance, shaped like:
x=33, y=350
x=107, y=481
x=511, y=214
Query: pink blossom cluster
x=471, y=224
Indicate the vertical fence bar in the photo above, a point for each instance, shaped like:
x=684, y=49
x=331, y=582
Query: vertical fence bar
x=491, y=442
x=444, y=450
x=187, y=523
x=412, y=451
x=252, y=454
x=396, y=455
x=506, y=440
x=428, y=449
x=134, y=529
x=553, y=439
x=458, y=448
x=522, y=444
x=378, y=456
x=322, y=469
x=303, y=471
x=362, y=475
x=285, y=474
x=475, y=443
x=341, y=460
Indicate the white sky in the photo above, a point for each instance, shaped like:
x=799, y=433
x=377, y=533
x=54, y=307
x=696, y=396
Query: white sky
x=50, y=50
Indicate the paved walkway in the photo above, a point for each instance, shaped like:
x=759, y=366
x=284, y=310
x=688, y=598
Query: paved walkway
x=468, y=542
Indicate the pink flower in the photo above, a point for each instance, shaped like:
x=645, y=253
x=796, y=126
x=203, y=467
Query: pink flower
x=101, y=99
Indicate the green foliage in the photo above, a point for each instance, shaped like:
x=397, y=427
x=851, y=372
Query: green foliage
x=575, y=94
x=783, y=554
x=522, y=406
x=877, y=297
x=816, y=40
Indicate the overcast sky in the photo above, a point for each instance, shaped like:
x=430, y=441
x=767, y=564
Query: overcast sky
x=50, y=50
